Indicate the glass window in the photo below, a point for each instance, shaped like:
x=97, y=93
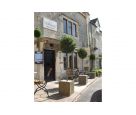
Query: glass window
x=70, y=62
x=65, y=25
x=74, y=30
x=64, y=59
x=75, y=60
x=69, y=28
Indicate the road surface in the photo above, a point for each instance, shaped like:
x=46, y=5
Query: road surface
x=92, y=92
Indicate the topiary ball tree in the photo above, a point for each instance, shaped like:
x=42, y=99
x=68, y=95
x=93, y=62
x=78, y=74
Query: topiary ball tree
x=37, y=34
x=82, y=53
x=92, y=57
x=67, y=45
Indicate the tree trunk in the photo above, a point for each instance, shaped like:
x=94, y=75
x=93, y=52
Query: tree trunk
x=92, y=64
x=82, y=66
x=67, y=63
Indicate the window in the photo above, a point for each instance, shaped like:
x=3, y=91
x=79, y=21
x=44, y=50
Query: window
x=69, y=27
x=75, y=60
x=74, y=30
x=64, y=59
x=65, y=25
x=70, y=62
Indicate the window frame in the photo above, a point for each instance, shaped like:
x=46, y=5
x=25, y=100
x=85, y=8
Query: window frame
x=73, y=26
x=75, y=60
x=69, y=26
x=63, y=25
x=64, y=60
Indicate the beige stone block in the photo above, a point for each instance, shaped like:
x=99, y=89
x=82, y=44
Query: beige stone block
x=41, y=46
x=83, y=79
x=66, y=88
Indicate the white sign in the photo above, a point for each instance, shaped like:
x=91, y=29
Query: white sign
x=49, y=24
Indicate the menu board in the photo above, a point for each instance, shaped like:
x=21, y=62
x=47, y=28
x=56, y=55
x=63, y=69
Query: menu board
x=38, y=57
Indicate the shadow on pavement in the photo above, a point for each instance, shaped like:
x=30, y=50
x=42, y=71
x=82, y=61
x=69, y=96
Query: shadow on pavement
x=56, y=96
x=97, y=96
x=91, y=78
x=53, y=90
x=77, y=85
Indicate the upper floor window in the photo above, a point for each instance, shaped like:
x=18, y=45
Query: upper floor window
x=69, y=27
x=74, y=30
x=65, y=25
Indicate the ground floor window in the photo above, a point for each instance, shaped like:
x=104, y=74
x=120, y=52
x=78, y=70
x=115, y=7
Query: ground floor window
x=75, y=59
x=72, y=61
x=64, y=59
x=100, y=63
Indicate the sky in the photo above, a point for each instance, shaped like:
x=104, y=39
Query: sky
x=118, y=21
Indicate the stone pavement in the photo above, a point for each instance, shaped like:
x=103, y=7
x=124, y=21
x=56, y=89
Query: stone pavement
x=53, y=88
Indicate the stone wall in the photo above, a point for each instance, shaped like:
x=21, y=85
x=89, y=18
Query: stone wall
x=81, y=39
x=96, y=41
x=80, y=20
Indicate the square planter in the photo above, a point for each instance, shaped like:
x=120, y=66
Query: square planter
x=100, y=74
x=92, y=75
x=83, y=79
x=66, y=88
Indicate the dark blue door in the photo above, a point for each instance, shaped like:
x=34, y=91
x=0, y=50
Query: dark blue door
x=49, y=64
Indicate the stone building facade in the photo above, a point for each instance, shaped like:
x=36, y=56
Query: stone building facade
x=53, y=26
x=96, y=41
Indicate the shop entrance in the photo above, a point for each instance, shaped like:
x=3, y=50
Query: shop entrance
x=49, y=64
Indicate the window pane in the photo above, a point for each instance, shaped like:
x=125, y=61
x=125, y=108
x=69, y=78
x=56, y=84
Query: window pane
x=75, y=60
x=74, y=30
x=64, y=59
x=70, y=62
x=65, y=25
x=69, y=28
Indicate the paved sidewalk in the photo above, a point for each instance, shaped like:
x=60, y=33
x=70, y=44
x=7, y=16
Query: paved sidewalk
x=53, y=88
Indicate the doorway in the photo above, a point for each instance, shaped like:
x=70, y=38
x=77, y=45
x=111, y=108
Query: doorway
x=49, y=64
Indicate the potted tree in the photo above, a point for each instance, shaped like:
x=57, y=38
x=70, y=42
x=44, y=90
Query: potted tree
x=37, y=34
x=67, y=44
x=82, y=53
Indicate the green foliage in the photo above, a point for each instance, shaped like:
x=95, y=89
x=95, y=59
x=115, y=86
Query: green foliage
x=82, y=53
x=67, y=44
x=37, y=33
x=100, y=56
x=92, y=57
x=97, y=71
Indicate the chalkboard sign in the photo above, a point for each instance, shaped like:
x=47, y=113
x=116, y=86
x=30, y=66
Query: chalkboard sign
x=38, y=57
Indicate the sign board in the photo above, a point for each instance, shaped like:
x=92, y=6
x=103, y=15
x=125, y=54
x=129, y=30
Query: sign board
x=49, y=24
x=38, y=57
